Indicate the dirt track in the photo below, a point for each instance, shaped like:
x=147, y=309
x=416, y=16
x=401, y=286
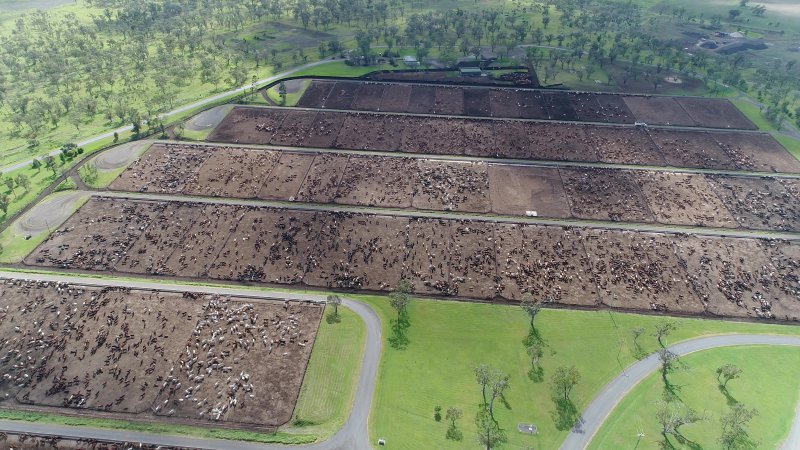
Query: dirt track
x=50, y=213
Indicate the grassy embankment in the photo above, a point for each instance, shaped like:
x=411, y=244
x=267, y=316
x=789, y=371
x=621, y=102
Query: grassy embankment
x=448, y=339
x=769, y=387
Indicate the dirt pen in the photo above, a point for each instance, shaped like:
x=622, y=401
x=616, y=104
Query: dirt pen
x=515, y=103
x=548, y=141
x=476, y=259
x=478, y=187
x=149, y=355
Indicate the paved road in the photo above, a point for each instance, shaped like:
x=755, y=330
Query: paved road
x=182, y=109
x=604, y=403
x=608, y=225
x=353, y=436
x=793, y=441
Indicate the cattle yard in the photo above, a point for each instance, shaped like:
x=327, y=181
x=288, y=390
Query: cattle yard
x=472, y=193
x=424, y=183
x=505, y=138
x=149, y=355
x=478, y=259
x=523, y=104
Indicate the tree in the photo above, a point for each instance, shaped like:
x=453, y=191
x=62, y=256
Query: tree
x=437, y=413
x=335, y=301
x=24, y=182
x=531, y=306
x=483, y=376
x=733, y=14
x=499, y=386
x=5, y=202
x=669, y=361
x=673, y=416
x=734, y=431
x=50, y=163
x=36, y=164
x=535, y=352
x=399, y=299
x=116, y=137
x=452, y=415
x=282, y=92
x=9, y=182
x=490, y=435
x=564, y=379
x=89, y=173
x=663, y=329
x=727, y=372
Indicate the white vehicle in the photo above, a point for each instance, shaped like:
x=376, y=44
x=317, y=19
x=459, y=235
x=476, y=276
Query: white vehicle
x=640, y=124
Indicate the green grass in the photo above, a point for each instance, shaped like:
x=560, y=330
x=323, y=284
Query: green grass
x=769, y=387
x=291, y=98
x=448, y=339
x=16, y=247
x=67, y=185
x=159, y=428
x=329, y=386
x=754, y=114
x=791, y=144
x=340, y=69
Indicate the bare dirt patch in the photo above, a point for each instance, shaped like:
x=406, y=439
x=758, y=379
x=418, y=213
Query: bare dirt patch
x=316, y=94
x=521, y=189
x=760, y=152
x=658, y=111
x=342, y=95
x=715, y=113
x=395, y=98
x=368, y=97
x=248, y=125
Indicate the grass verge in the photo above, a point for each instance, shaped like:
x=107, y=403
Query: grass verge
x=754, y=114
x=16, y=247
x=769, y=387
x=791, y=144
x=329, y=386
x=158, y=428
x=448, y=339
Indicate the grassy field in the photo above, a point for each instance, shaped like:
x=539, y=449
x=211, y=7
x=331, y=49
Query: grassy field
x=329, y=387
x=769, y=387
x=754, y=114
x=791, y=144
x=448, y=339
x=16, y=247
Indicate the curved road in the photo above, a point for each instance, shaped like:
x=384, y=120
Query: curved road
x=604, y=403
x=353, y=436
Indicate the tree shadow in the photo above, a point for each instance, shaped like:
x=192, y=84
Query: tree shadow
x=671, y=391
x=565, y=416
x=728, y=397
x=398, y=339
x=687, y=443
x=504, y=401
x=536, y=374
x=332, y=318
x=533, y=338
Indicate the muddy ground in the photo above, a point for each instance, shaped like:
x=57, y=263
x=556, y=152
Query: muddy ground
x=439, y=185
x=144, y=354
x=449, y=257
x=548, y=141
x=517, y=103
